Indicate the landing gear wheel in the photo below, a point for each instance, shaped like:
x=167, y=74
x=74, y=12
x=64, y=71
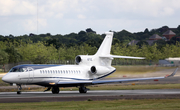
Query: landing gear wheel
x=18, y=92
x=19, y=88
x=82, y=89
x=55, y=90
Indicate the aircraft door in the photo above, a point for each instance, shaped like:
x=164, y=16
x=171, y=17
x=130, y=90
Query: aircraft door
x=31, y=74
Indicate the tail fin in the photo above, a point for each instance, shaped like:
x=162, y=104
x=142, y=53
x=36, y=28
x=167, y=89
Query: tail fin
x=103, y=53
x=105, y=47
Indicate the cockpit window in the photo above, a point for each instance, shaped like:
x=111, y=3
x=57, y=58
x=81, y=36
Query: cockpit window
x=18, y=69
x=14, y=70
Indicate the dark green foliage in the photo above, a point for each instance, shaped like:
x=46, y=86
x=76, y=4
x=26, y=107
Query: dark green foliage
x=146, y=30
x=141, y=43
x=160, y=44
x=3, y=57
x=46, y=47
x=13, y=54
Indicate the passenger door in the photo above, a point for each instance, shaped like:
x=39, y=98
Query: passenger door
x=31, y=74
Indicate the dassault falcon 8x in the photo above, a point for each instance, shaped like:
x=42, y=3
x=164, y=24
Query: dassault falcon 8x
x=88, y=71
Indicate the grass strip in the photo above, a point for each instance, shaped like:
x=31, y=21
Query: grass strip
x=144, y=104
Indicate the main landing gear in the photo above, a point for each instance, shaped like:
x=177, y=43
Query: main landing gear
x=82, y=89
x=48, y=89
x=55, y=90
x=19, y=88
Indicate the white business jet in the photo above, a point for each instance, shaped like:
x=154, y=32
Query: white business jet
x=88, y=71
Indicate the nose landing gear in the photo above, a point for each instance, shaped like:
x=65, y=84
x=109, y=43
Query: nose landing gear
x=19, y=88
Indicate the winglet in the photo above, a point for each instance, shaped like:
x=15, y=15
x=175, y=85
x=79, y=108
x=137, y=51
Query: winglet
x=172, y=73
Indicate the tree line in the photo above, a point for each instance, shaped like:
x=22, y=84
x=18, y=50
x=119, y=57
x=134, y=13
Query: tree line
x=41, y=49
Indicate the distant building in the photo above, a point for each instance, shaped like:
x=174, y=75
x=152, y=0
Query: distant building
x=169, y=34
x=166, y=36
x=155, y=37
x=151, y=40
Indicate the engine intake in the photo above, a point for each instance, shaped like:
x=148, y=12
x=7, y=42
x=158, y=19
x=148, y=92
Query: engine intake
x=78, y=59
x=99, y=70
x=93, y=70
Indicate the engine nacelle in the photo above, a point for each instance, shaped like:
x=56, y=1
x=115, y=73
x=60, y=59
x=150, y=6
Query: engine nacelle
x=84, y=59
x=99, y=70
x=78, y=59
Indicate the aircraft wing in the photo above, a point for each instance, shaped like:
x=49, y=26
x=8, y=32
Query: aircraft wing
x=124, y=80
x=132, y=79
x=91, y=82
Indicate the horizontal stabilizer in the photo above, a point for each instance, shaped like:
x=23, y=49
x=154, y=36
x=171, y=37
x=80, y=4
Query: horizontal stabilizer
x=117, y=56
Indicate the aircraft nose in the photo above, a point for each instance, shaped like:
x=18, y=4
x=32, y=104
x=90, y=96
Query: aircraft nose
x=5, y=79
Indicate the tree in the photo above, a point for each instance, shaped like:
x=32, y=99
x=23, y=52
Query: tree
x=141, y=43
x=3, y=57
x=146, y=30
x=160, y=44
x=90, y=30
x=38, y=53
x=14, y=55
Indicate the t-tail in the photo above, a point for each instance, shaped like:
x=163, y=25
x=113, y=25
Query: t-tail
x=102, y=56
x=104, y=51
x=100, y=63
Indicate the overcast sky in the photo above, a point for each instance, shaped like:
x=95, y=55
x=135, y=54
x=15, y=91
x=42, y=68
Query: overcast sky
x=19, y=17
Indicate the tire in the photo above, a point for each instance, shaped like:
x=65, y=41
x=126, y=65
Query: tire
x=55, y=90
x=18, y=92
x=82, y=90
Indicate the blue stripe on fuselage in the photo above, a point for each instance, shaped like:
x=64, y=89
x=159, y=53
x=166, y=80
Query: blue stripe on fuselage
x=75, y=78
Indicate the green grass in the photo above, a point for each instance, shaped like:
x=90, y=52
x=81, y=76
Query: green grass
x=3, y=83
x=143, y=104
x=136, y=70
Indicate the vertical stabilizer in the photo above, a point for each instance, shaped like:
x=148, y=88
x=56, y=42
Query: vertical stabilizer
x=105, y=47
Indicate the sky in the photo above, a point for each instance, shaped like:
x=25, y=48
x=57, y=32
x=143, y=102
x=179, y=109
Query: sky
x=20, y=17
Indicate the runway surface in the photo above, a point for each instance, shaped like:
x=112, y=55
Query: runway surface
x=12, y=97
